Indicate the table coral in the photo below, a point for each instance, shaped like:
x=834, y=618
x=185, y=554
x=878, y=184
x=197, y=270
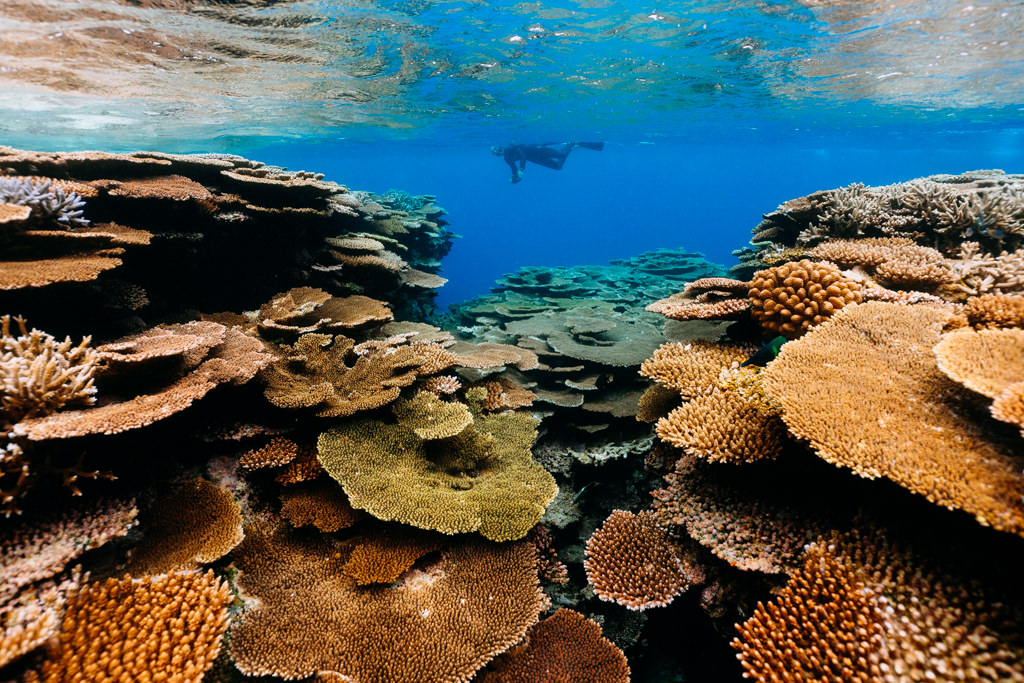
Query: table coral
x=321, y=503
x=633, y=562
x=692, y=368
x=985, y=361
x=564, y=647
x=866, y=392
x=135, y=629
x=194, y=525
x=481, y=479
x=384, y=553
x=440, y=624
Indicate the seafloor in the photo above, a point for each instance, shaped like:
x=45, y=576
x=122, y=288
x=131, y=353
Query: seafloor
x=240, y=442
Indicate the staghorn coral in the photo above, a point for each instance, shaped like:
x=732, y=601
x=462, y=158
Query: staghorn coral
x=864, y=609
x=691, y=368
x=564, y=647
x=130, y=629
x=48, y=202
x=37, y=550
x=867, y=385
x=383, y=555
x=723, y=426
x=633, y=562
x=39, y=375
x=236, y=360
x=481, y=479
x=197, y=524
x=440, y=624
x=321, y=503
x=985, y=361
x=995, y=310
x=788, y=299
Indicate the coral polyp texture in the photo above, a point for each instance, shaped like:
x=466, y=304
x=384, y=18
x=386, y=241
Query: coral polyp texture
x=894, y=399
x=788, y=299
x=441, y=623
x=564, y=647
x=632, y=561
x=434, y=471
x=864, y=609
x=123, y=629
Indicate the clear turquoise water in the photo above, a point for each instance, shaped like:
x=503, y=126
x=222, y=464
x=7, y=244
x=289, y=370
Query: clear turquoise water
x=714, y=112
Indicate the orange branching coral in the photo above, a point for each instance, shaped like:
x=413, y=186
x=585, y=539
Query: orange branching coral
x=34, y=551
x=163, y=627
x=985, y=361
x=314, y=374
x=723, y=426
x=863, y=609
x=321, y=503
x=388, y=552
x=280, y=451
x=995, y=310
x=565, y=647
x=305, y=467
x=867, y=385
x=549, y=566
x=789, y=299
x=194, y=525
x=236, y=360
x=825, y=625
x=441, y=623
x=442, y=385
x=692, y=368
x=33, y=618
x=39, y=375
x=632, y=561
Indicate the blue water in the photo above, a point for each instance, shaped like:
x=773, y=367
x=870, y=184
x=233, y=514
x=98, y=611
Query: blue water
x=714, y=112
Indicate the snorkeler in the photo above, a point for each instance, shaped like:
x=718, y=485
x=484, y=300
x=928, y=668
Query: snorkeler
x=550, y=155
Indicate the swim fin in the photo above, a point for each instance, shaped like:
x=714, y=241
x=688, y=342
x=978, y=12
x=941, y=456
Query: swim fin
x=596, y=146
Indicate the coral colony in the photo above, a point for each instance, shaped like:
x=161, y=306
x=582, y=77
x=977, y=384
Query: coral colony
x=239, y=440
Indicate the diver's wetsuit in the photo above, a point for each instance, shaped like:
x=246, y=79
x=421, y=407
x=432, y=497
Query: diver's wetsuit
x=549, y=155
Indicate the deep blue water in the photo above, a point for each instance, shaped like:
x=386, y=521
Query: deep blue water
x=713, y=111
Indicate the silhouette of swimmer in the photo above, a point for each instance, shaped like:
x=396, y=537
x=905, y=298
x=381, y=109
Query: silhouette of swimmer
x=549, y=155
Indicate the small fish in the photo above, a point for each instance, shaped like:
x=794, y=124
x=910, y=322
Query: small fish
x=766, y=354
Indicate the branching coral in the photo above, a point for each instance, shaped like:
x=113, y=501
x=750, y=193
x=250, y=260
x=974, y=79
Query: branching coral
x=896, y=261
x=863, y=609
x=995, y=310
x=138, y=629
x=481, y=478
x=440, y=624
x=632, y=561
x=866, y=387
x=39, y=375
x=692, y=368
x=47, y=201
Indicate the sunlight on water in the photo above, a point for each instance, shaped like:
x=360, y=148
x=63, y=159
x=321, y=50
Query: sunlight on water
x=169, y=68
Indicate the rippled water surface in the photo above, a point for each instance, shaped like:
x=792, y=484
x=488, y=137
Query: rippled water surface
x=121, y=72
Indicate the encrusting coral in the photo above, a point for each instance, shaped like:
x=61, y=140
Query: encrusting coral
x=894, y=399
x=564, y=647
x=470, y=478
x=127, y=629
x=439, y=624
x=633, y=562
